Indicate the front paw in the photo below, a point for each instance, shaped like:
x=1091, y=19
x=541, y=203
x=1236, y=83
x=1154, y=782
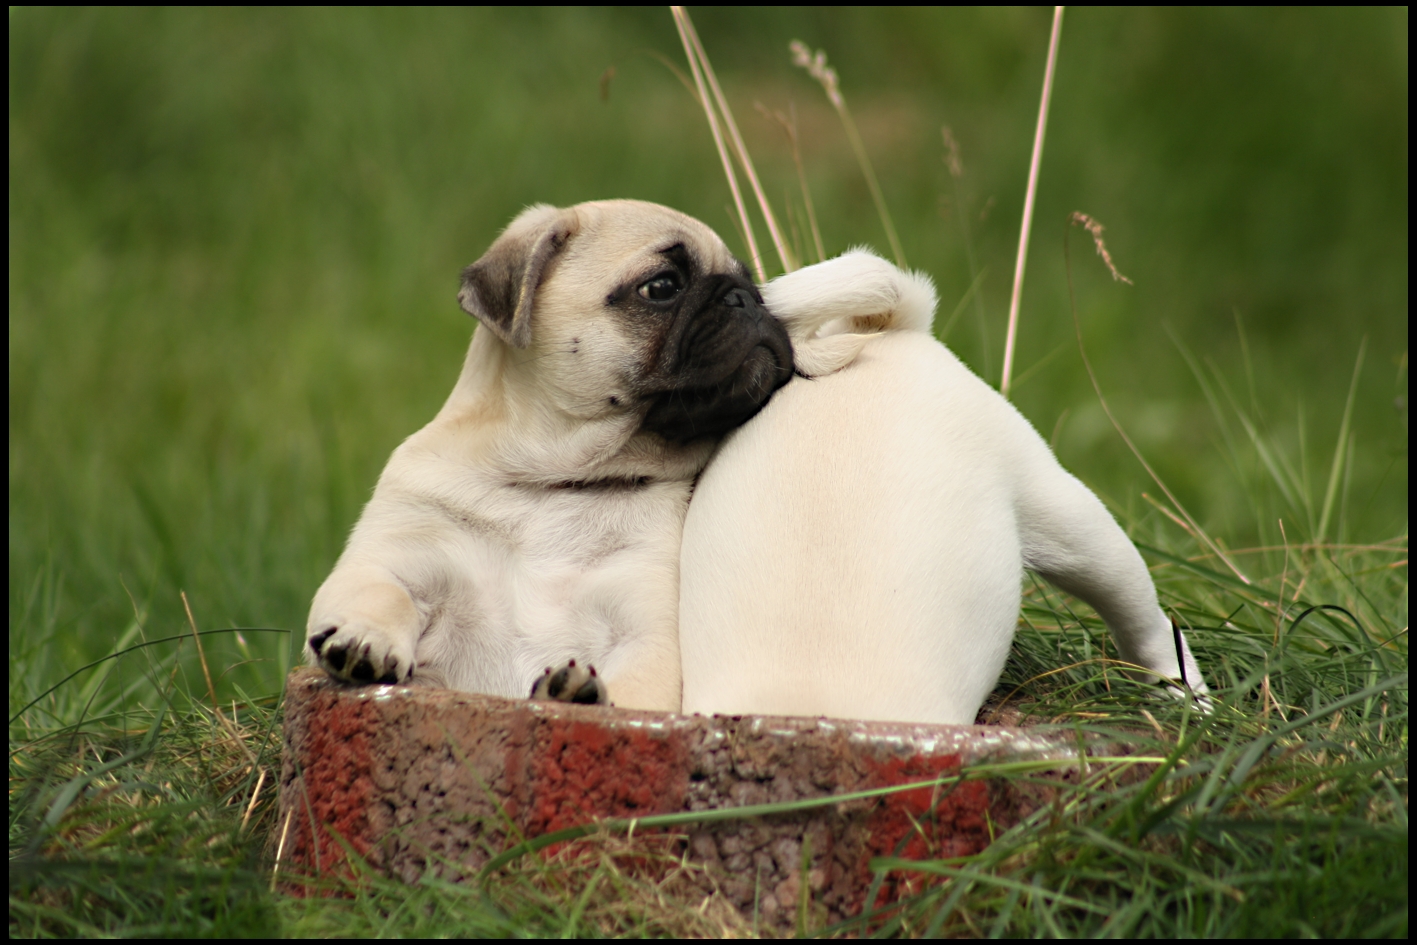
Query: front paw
x=571, y=683
x=362, y=655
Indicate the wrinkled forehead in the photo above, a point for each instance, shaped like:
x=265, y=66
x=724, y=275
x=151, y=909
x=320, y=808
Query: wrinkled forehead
x=627, y=236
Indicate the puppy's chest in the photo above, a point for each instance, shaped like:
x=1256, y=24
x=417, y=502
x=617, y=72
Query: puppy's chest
x=513, y=546
x=568, y=554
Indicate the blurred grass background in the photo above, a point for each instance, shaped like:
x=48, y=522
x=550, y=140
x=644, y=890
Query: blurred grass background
x=235, y=237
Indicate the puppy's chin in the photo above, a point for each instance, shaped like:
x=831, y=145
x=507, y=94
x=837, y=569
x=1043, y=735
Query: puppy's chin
x=695, y=413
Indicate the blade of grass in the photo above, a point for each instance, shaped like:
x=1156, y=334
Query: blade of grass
x=790, y=807
x=1038, y=365
x=971, y=292
x=1339, y=449
x=117, y=653
x=955, y=163
x=70, y=791
x=1081, y=219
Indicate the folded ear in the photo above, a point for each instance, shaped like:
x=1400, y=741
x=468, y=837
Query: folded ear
x=498, y=289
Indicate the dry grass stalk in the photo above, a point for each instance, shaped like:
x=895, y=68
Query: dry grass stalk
x=698, y=58
x=1028, y=200
x=211, y=690
x=1096, y=229
x=628, y=883
x=952, y=158
x=280, y=848
x=788, y=123
x=817, y=68
x=718, y=142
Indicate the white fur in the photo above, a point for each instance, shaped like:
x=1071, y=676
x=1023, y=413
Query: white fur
x=856, y=549
x=832, y=308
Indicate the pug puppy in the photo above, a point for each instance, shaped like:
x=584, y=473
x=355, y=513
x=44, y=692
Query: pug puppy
x=857, y=549
x=535, y=522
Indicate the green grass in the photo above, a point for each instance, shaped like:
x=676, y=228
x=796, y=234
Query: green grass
x=234, y=244
x=1283, y=813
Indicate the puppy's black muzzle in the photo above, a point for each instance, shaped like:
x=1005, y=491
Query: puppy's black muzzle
x=721, y=365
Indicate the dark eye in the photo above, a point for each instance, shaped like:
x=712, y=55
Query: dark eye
x=661, y=288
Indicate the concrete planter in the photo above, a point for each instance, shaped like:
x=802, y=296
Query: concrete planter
x=423, y=779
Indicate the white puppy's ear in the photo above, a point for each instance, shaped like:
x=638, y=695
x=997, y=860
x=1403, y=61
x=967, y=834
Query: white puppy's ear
x=832, y=308
x=498, y=289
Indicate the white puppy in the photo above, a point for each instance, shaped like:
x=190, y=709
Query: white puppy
x=856, y=550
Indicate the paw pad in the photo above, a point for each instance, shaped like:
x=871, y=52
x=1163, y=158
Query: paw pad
x=571, y=683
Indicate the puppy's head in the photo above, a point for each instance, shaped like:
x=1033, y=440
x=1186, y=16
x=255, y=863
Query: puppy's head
x=625, y=307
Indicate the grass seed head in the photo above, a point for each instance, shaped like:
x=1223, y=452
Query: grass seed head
x=1092, y=226
x=817, y=68
x=952, y=158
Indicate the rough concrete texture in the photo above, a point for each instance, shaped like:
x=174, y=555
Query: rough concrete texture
x=424, y=779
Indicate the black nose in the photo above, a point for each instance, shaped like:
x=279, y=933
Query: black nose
x=737, y=298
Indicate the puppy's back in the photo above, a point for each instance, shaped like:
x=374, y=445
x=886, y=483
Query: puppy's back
x=852, y=551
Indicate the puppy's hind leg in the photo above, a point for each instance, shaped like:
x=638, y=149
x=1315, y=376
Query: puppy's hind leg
x=1073, y=542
